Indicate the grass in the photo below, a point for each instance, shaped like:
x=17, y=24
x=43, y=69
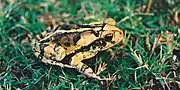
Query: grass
x=147, y=59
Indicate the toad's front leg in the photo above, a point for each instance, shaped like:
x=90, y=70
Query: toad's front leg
x=81, y=67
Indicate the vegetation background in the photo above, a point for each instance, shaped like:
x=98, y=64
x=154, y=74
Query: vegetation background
x=148, y=57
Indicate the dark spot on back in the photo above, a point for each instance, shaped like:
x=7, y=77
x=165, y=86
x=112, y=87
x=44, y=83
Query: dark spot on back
x=65, y=27
x=95, y=33
x=59, y=36
x=76, y=38
x=68, y=44
x=98, y=44
x=86, y=26
x=102, y=43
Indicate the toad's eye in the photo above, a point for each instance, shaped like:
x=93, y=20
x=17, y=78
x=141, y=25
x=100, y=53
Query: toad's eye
x=108, y=37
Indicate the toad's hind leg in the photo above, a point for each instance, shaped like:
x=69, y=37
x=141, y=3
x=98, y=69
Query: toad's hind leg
x=47, y=61
x=81, y=67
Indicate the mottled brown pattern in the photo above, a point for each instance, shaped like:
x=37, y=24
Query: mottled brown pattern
x=69, y=45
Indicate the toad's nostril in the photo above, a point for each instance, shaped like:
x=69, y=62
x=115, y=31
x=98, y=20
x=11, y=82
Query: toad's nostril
x=120, y=32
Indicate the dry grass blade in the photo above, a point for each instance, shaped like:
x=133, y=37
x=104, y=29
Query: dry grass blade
x=147, y=43
x=154, y=45
x=149, y=6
